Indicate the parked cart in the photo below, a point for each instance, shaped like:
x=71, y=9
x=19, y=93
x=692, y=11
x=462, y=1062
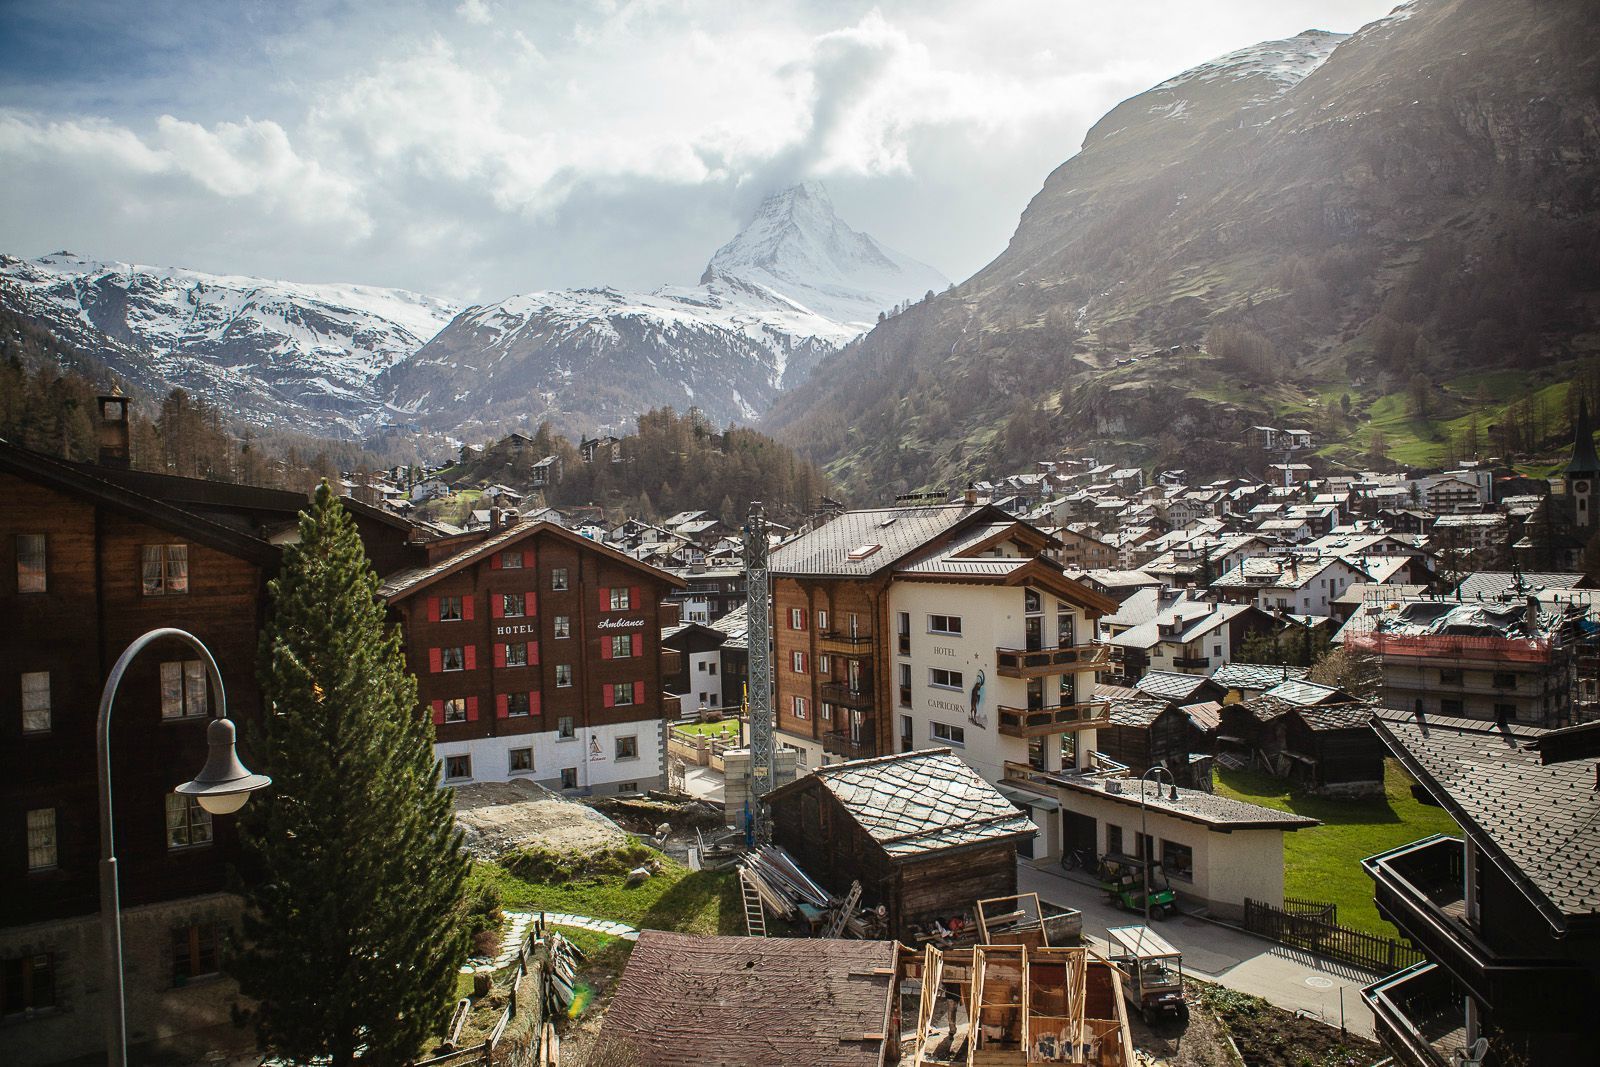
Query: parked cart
x=1152, y=972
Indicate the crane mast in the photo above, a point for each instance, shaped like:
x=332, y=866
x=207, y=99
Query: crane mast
x=763, y=745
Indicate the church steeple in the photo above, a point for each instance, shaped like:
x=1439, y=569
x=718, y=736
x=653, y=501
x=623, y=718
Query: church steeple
x=1584, y=461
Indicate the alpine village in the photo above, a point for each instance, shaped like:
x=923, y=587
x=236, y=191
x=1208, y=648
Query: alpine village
x=1176, y=644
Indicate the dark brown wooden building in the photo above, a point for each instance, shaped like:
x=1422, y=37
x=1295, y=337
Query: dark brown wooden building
x=1330, y=749
x=924, y=835
x=538, y=654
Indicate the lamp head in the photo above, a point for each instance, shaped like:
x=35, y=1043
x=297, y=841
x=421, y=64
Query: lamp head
x=223, y=784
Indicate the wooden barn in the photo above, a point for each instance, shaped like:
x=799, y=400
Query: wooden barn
x=1145, y=732
x=924, y=835
x=1330, y=749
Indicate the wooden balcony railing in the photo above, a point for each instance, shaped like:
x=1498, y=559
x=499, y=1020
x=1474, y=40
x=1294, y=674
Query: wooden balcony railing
x=1023, y=663
x=841, y=694
x=837, y=743
x=1060, y=719
x=855, y=646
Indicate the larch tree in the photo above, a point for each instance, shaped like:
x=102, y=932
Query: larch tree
x=354, y=924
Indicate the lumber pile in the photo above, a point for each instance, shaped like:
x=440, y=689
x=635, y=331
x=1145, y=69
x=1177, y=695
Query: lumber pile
x=563, y=974
x=782, y=885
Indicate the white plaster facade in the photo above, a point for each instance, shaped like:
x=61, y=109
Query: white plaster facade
x=590, y=754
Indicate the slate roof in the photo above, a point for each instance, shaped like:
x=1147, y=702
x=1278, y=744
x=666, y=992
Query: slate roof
x=686, y=1001
x=1138, y=712
x=1539, y=823
x=1193, y=805
x=1262, y=676
x=1179, y=688
x=1207, y=715
x=1304, y=694
x=827, y=549
x=1352, y=716
x=1490, y=584
x=736, y=624
x=919, y=802
x=1195, y=619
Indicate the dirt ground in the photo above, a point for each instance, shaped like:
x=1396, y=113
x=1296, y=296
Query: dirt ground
x=500, y=817
x=1201, y=1043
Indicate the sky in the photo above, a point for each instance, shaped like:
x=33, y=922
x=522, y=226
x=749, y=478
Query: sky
x=473, y=149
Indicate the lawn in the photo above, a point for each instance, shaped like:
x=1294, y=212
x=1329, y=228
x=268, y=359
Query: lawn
x=728, y=728
x=1324, y=862
x=695, y=902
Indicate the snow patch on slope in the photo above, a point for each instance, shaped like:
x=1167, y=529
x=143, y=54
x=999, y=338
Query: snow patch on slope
x=1283, y=64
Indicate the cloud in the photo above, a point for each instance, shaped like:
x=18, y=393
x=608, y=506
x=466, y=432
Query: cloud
x=475, y=12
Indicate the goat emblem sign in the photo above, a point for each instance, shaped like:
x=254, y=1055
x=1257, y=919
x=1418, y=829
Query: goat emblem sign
x=976, y=715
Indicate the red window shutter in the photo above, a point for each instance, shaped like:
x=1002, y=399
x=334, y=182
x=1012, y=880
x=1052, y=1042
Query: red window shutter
x=634, y=602
x=466, y=607
x=438, y=713
x=533, y=653
x=497, y=605
x=605, y=647
x=472, y=709
x=527, y=559
x=433, y=609
x=638, y=644
x=499, y=654
x=494, y=562
x=608, y=694
x=638, y=692
x=605, y=599
x=435, y=660
x=530, y=602
x=533, y=703
x=472, y=657
x=500, y=709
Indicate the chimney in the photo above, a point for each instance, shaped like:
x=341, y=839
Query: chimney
x=112, y=430
x=971, y=495
x=494, y=519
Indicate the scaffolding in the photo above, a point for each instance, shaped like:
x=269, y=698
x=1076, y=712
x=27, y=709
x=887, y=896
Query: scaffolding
x=763, y=742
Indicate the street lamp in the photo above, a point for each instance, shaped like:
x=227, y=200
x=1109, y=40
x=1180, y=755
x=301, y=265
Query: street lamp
x=221, y=787
x=1144, y=834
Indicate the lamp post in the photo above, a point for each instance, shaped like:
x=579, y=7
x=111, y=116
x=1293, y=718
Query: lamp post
x=1144, y=835
x=221, y=787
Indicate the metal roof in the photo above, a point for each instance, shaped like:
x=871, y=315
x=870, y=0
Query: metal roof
x=827, y=550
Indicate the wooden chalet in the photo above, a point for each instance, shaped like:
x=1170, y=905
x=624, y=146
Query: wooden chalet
x=924, y=835
x=1326, y=749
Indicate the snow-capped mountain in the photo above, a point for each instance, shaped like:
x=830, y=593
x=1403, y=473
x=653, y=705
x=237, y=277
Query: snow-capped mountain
x=795, y=284
x=272, y=352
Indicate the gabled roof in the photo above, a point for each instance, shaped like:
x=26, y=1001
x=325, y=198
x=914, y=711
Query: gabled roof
x=403, y=584
x=1540, y=824
x=918, y=802
x=1351, y=716
x=1262, y=676
x=1306, y=694
x=1178, y=688
x=834, y=549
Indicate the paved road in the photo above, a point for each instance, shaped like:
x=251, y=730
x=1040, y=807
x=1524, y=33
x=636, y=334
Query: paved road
x=1289, y=978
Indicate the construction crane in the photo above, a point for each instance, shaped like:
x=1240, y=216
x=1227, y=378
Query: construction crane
x=763, y=744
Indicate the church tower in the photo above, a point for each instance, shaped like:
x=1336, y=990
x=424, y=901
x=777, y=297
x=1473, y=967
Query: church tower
x=1583, y=470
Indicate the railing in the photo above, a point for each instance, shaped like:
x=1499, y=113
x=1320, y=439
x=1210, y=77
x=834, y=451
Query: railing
x=845, y=644
x=671, y=706
x=842, y=694
x=524, y=992
x=1182, y=662
x=1414, y=1009
x=1063, y=718
x=1520, y=649
x=1379, y=954
x=1029, y=663
x=840, y=744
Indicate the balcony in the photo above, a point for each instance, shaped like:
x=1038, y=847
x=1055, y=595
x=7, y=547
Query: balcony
x=1060, y=719
x=838, y=743
x=855, y=646
x=842, y=695
x=1036, y=663
x=1187, y=662
x=671, y=661
x=1420, y=1013
x=671, y=707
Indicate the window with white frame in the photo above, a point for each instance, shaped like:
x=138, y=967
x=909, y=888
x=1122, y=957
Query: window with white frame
x=183, y=689
x=941, y=678
x=35, y=701
x=801, y=711
x=165, y=570
x=457, y=767
x=620, y=600
x=455, y=709
x=628, y=747
x=621, y=646
x=564, y=728
x=517, y=705
x=511, y=559
x=797, y=619
x=449, y=609
x=950, y=735
x=188, y=824
x=41, y=839
x=513, y=605
x=563, y=676
x=558, y=579
x=521, y=761
x=945, y=624
x=824, y=664
x=516, y=654
x=563, y=627
x=822, y=620
x=797, y=662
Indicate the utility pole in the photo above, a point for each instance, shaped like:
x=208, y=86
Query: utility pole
x=763, y=747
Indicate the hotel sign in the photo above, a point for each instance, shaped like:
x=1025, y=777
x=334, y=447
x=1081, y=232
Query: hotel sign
x=516, y=628
x=621, y=624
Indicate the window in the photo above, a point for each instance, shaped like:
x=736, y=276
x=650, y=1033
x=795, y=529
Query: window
x=516, y=705
x=563, y=676
x=564, y=729
x=824, y=665
x=621, y=646
x=1505, y=712
x=194, y=951
x=950, y=735
x=521, y=761
x=452, y=659
x=30, y=563
x=457, y=767
x=35, y=701
x=797, y=619
x=1449, y=677
x=944, y=624
x=569, y=778
x=517, y=654
x=1031, y=601
x=455, y=709
x=1505, y=680
x=42, y=839
x=27, y=983
x=563, y=628
x=183, y=689
x=449, y=609
x=622, y=695
x=905, y=685
x=1178, y=860
x=712, y=669
x=620, y=601
x=826, y=713
x=797, y=662
x=1449, y=707
x=701, y=666
x=188, y=824
x=166, y=570
x=558, y=579
x=903, y=629
x=822, y=621
x=1113, y=839
x=513, y=605
x=940, y=678
x=627, y=787
x=801, y=710
x=511, y=559
x=628, y=747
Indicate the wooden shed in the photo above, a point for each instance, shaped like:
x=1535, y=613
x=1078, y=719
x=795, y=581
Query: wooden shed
x=924, y=835
x=1146, y=731
x=1330, y=749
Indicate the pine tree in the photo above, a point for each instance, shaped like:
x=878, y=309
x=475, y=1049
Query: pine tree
x=354, y=920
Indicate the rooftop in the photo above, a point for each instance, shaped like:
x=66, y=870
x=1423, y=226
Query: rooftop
x=835, y=548
x=1261, y=676
x=1193, y=805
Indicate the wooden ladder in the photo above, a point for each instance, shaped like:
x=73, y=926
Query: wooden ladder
x=755, y=918
x=846, y=910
